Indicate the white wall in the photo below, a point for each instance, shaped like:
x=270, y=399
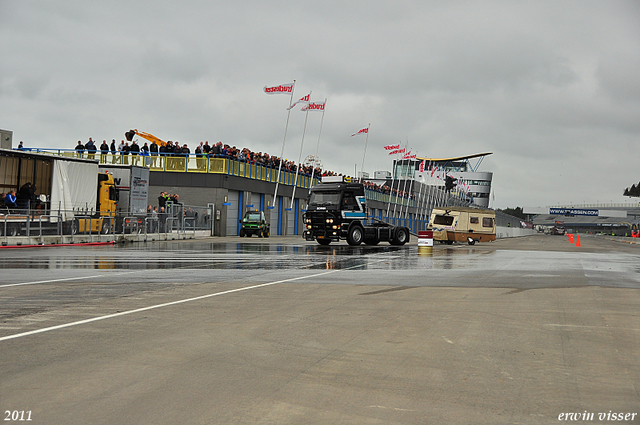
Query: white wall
x=512, y=232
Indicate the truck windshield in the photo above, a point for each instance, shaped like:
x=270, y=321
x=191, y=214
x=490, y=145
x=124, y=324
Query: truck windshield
x=324, y=198
x=253, y=217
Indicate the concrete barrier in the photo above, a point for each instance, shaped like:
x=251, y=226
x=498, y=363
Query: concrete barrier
x=513, y=232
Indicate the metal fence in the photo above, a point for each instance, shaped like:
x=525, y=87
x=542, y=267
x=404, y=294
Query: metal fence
x=40, y=223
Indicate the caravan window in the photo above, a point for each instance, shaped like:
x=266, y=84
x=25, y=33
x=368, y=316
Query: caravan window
x=487, y=222
x=474, y=220
x=447, y=220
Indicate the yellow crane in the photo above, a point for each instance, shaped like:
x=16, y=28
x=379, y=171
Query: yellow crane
x=150, y=137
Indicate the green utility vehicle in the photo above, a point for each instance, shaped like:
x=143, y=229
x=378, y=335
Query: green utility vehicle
x=254, y=223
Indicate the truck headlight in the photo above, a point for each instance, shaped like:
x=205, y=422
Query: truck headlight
x=329, y=220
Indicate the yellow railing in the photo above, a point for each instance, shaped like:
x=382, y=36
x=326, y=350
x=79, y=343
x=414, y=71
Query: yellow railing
x=194, y=164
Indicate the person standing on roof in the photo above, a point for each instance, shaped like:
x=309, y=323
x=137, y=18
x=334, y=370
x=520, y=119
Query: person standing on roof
x=135, y=150
x=153, y=150
x=91, y=149
x=104, y=151
x=113, y=151
x=79, y=149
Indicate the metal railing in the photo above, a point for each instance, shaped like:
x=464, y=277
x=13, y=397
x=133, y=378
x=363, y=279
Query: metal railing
x=70, y=224
x=196, y=163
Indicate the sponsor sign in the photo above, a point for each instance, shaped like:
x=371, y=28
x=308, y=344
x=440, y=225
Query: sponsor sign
x=573, y=211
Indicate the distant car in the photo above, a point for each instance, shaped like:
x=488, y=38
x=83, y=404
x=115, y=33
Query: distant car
x=558, y=228
x=254, y=223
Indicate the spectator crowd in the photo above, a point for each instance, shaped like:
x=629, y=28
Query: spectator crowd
x=217, y=150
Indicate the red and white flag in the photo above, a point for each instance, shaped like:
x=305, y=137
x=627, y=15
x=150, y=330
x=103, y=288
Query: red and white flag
x=392, y=147
x=397, y=151
x=422, y=166
x=314, y=106
x=281, y=89
x=409, y=155
x=363, y=131
x=303, y=99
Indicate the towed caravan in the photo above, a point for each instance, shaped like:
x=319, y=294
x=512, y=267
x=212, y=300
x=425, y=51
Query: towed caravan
x=462, y=224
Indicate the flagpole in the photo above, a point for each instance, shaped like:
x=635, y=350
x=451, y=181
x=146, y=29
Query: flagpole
x=295, y=180
x=275, y=194
x=393, y=179
x=396, y=204
x=363, y=155
x=318, y=144
x=406, y=210
x=421, y=202
x=417, y=205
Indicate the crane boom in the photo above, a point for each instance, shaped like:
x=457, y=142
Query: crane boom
x=150, y=137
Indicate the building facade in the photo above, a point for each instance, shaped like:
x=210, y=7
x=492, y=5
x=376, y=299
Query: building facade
x=471, y=184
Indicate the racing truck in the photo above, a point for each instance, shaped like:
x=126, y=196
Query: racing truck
x=337, y=210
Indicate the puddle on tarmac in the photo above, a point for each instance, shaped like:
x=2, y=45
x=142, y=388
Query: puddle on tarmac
x=238, y=255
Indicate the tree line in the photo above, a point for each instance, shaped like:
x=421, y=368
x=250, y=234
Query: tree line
x=634, y=190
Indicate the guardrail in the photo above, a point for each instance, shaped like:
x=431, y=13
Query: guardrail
x=196, y=163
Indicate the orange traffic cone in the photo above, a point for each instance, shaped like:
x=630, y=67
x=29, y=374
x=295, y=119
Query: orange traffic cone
x=571, y=237
x=578, y=241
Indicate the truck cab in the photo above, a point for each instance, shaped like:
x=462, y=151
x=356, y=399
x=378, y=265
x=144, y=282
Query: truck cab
x=337, y=210
x=558, y=228
x=103, y=220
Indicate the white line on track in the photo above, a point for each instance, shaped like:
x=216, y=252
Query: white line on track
x=63, y=279
x=66, y=279
x=50, y=281
x=153, y=307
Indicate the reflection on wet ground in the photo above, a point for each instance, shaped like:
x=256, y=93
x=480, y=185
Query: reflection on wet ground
x=289, y=255
x=241, y=255
x=45, y=277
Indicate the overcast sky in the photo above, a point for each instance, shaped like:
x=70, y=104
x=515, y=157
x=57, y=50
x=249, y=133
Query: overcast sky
x=551, y=88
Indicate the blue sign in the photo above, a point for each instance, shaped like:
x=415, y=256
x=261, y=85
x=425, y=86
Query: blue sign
x=573, y=211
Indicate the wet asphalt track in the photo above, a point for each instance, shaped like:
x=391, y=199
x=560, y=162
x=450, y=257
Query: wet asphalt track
x=261, y=319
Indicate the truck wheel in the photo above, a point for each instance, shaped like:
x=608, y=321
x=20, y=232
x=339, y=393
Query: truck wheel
x=401, y=237
x=12, y=229
x=355, y=236
x=72, y=227
x=106, y=227
x=266, y=233
x=241, y=233
x=260, y=233
x=324, y=241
